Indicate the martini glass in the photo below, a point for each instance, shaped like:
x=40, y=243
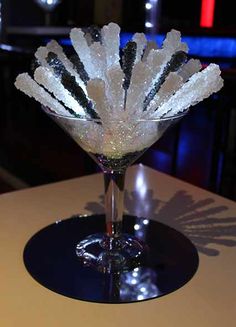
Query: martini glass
x=114, y=146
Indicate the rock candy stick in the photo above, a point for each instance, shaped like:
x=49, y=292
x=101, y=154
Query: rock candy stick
x=171, y=85
x=128, y=59
x=141, y=41
x=44, y=76
x=170, y=53
x=111, y=40
x=81, y=47
x=175, y=62
x=200, y=86
x=69, y=82
x=140, y=82
x=191, y=67
x=151, y=45
x=96, y=92
x=54, y=47
x=27, y=85
x=41, y=55
x=172, y=43
x=98, y=54
x=114, y=89
x=79, y=67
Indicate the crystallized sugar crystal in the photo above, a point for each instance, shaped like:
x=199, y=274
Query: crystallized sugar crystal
x=111, y=40
x=173, y=43
x=118, y=92
x=69, y=82
x=41, y=55
x=172, y=83
x=79, y=67
x=128, y=59
x=27, y=85
x=81, y=47
x=141, y=41
x=115, y=91
x=54, y=47
x=98, y=53
x=151, y=45
x=96, y=92
x=191, y=67
x=139, y=84
x=172, y=65
x=200, y=86
x=47, y=79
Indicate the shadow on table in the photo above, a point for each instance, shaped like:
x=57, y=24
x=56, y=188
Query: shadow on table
x=199, y=220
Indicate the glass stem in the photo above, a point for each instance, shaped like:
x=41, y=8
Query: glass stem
x=114, y=201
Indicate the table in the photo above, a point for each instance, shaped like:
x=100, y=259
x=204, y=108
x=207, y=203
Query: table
x=209, y=220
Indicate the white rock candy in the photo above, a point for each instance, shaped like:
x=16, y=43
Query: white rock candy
x=156, y=61
x=114, y=90
x=54, y=47
x=96, y=92
x=151, y=45
x=172, y=84
x=88, y=134
x=27, y=85
x=140, y=82
x=191, y=67
x=200, y=86
x=88, y=38
x=41, y=54
x=81, y=47
x=141, y=42
x=45, y=77
x=111, y=40
x=172, y=43
x=144, y=134
x=98, y=53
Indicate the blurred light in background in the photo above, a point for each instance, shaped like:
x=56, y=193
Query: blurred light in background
x=207, y=13
x=148, y=6
x=148, y=24
x=152, y=16
x=48, y=5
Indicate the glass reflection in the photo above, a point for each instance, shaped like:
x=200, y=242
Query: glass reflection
x=138, y=285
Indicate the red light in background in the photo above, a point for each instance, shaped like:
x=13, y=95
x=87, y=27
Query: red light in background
x=207, y=13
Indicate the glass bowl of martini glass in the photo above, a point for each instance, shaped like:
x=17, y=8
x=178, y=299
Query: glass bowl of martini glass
x=115, y=103
x=114, y=147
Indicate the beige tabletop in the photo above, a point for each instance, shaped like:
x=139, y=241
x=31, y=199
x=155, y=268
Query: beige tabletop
x=209, y=299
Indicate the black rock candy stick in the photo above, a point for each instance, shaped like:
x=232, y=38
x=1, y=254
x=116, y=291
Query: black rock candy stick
x=173, y=65
x=128, y=60
x=79, y=67
x=69, y=82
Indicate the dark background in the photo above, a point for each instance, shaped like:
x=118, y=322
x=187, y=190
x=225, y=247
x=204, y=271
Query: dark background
x=173, y=14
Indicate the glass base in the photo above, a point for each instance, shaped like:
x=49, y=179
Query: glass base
x=107, y=254
x=50, y=258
